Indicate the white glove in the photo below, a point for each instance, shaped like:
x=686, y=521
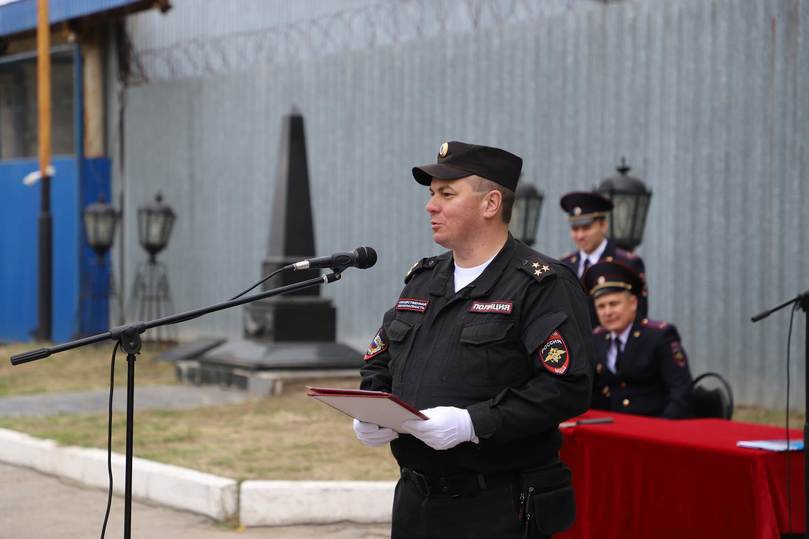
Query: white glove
x=446, y=427
x=373, y=435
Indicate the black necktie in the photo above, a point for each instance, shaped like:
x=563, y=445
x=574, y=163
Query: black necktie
x=586, y=265
x=619, y=353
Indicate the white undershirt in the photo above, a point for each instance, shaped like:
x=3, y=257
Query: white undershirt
x=464, y=276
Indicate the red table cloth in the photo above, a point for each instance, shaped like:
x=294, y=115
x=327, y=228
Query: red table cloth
x=642, y=477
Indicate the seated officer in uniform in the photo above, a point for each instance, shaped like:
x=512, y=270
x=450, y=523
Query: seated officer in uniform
x=587, y=214
x=641, y=367
x=492, y=342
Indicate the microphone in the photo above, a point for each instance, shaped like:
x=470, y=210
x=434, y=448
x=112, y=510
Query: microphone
x=361, y=257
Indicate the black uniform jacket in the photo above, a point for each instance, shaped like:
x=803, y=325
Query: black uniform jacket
x=614, y=253
x=514, y=348
x=652, y=378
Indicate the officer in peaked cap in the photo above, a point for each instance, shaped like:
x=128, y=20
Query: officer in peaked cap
x=491, y=341
x=641, y=366
x=587, y=214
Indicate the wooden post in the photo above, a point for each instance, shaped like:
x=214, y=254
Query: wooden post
x=44, y=86
x=45, y=222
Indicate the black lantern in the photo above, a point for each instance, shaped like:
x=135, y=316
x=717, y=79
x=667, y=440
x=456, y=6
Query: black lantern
x=630, y=199
x=155, y=221
x=525, y=213
x=100, y=220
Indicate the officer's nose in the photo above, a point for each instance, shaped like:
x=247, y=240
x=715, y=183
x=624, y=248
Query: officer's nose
x=431, y=207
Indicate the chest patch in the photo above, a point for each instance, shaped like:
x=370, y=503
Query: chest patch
x=410, y=304
x=554, y=355
x=377, y=346
x=499, y=307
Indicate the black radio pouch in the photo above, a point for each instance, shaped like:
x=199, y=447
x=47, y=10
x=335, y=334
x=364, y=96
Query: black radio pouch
x=547, y=504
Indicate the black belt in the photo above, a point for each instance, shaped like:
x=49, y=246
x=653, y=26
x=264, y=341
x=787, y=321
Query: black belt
x=456, y=486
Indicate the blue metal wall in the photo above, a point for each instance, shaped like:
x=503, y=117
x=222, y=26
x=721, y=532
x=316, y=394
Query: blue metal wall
x=71, y=189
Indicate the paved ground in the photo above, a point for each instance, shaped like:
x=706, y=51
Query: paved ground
x=176, y=397
x=37, y=506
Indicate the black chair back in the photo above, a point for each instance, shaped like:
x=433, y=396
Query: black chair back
x=711, y=402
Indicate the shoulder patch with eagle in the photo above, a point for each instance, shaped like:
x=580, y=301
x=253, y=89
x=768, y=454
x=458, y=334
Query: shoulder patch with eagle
x=554, y=355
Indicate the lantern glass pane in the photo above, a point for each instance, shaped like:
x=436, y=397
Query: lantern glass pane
x=99, y=226
x=89, y=228
x=517, y=223
x=536, y=207
x=640, y=220
x=622, y=215
x=154, y=230
x=169, y=225
x=143, y=218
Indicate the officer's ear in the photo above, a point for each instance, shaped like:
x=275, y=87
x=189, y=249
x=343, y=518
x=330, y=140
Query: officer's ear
x=603, y=225
x=492, y=204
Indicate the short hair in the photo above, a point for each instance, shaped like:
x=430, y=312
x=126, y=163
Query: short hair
x=485, y=185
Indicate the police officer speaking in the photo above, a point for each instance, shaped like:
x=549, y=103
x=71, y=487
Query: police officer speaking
x=491, y=341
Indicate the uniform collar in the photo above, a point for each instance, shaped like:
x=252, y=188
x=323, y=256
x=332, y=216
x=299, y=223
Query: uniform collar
x=479, y=287
x=595, y=256
x=623, y=336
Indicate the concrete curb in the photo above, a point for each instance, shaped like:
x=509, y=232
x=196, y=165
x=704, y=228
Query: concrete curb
x=172, y=486
x=258, y=503
x=277, y=503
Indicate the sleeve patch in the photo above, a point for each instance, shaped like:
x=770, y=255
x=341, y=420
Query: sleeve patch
x=554, y=354
x=678, y=354
x=377, y=346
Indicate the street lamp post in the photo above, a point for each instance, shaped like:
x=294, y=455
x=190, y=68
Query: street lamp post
x=630, y=198
x=100, y=221
x=155, y=222
x=525, y=214
x=151, y=295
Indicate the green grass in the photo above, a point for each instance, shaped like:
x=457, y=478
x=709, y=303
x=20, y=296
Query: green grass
x=289, y=436
x=78, y=369
x=752, y=414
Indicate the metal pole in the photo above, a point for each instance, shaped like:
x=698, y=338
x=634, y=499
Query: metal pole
x=45, y=221
x=130, y=428
x=804, y=305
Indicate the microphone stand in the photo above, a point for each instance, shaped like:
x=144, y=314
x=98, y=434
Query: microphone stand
x=129, y=338
x=802, y=300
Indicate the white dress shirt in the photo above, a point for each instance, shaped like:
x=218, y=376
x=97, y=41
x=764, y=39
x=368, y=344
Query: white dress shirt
x=592, y=257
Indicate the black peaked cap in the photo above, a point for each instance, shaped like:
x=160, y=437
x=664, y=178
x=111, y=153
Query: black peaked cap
x=459, y=159
x=605, y=277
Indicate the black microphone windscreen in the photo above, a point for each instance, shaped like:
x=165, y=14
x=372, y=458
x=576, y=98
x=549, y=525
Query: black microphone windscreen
x=366, y=257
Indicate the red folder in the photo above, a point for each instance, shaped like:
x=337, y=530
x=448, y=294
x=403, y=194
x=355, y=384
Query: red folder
x=378, y=407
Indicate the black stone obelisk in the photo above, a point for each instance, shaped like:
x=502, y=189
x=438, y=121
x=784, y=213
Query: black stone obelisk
x=281, y=333
x=303, y=316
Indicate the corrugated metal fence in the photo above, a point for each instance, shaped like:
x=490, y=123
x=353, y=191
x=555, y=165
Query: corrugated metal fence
x=707, y=99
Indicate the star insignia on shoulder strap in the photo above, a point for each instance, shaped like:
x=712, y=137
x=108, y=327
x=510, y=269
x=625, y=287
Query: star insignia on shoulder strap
x=538, y=269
